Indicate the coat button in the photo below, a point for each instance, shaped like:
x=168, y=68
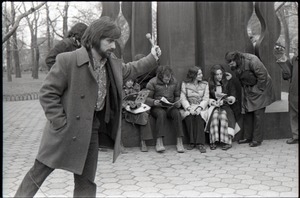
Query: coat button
x=82, y=96
x=78, y=117
x=74, y=138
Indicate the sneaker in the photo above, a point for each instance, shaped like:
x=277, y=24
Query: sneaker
x=213, y=147
x=160, y=145
x=201, y=148
x=226, y=147
x=292, y=141
x=190, y=146
x=179, y=146
x=144, y=146
x=254, y=144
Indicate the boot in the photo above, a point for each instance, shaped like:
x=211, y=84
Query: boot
x=144, y=146
x=180, y=148
x=160, y=145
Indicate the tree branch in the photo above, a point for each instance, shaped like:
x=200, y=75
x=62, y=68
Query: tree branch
x=19, y=18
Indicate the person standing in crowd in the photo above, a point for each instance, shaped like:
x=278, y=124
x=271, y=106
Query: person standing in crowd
x=194, y=99
x=290, y=72
x=222, y=122
x=82, y=91
x=71, y=43
x=139, y=120
x=165, y=85
x=257, y=93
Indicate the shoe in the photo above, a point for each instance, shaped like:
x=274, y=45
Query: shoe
x=292, y=141
x=179, y=145
x=254, y=144
x=190, y=146
x=159, y=145
x=226, y=147
x=213, y=146
x=201, y=148
x=244, y=141
x=144, y=146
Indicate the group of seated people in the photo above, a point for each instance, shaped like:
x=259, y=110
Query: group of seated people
x=202, y=106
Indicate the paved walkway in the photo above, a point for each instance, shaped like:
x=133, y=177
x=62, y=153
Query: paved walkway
x=271, y=170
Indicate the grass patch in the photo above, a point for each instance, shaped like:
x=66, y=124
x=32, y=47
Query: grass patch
x=25, y=84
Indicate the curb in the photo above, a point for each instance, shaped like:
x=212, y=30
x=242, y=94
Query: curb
x=21, y=97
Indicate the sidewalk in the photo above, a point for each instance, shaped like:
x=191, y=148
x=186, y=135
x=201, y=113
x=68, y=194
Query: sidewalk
x=271, y=170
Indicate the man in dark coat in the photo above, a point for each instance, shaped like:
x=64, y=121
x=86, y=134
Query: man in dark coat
x=290, y=72
x=81, y=94
x=257, y=93
x=71, y=43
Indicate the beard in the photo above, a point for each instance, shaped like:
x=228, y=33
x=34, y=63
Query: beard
x=105, y=54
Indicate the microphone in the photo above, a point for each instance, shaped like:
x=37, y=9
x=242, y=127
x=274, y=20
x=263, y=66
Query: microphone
x=149, y=37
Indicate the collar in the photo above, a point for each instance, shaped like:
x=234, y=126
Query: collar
x=82, y=56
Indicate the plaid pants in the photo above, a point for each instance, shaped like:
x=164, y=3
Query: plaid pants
x=219, y=123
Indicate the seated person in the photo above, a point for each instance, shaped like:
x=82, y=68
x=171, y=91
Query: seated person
x=222, y=122
x=165, y=85
x=194, y=99
x=140, y=120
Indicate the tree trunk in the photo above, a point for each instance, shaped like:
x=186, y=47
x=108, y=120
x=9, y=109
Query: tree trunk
x=65, y=20
x=8, y=60
x=48, y=29
x=15, y=44
x=8, y=50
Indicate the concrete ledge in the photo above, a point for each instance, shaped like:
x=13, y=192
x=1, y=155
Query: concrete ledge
x=276, y=126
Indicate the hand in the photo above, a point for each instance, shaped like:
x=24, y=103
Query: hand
x=213, y=103
x=221, y=102
x=193, y=112
x=156, y=52
x=177, y=105
x=198, y=110
x=230, y=100
x=157, y=103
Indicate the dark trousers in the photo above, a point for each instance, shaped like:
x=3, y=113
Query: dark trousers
x=161, y=115
x=195, y=129
x=293, y=112
x=146, y=132
x=84, y=183
x=253, y=125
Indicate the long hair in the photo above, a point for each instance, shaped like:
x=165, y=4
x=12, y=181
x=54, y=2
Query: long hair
x=163, y=70
x=234, y=56
x=100, y=29
x=77, y=31
x=213, y=70
x=192, y=74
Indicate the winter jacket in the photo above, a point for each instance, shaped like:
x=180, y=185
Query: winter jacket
x=159, y=89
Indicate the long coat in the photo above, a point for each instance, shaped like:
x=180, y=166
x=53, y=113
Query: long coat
x=68, y=97
x=262, y=93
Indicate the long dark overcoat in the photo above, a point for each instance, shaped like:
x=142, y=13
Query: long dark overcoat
x=68, y=97
x=262, y=93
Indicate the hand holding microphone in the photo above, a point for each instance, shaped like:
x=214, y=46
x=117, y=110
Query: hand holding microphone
x=155, y=50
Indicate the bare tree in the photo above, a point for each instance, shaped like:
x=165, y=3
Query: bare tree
x=35, y=54
x=18, y=19
x=15, y=44
x=8, y=50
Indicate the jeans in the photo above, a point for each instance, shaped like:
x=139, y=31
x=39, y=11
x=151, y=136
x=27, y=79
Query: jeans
x=84, y=183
